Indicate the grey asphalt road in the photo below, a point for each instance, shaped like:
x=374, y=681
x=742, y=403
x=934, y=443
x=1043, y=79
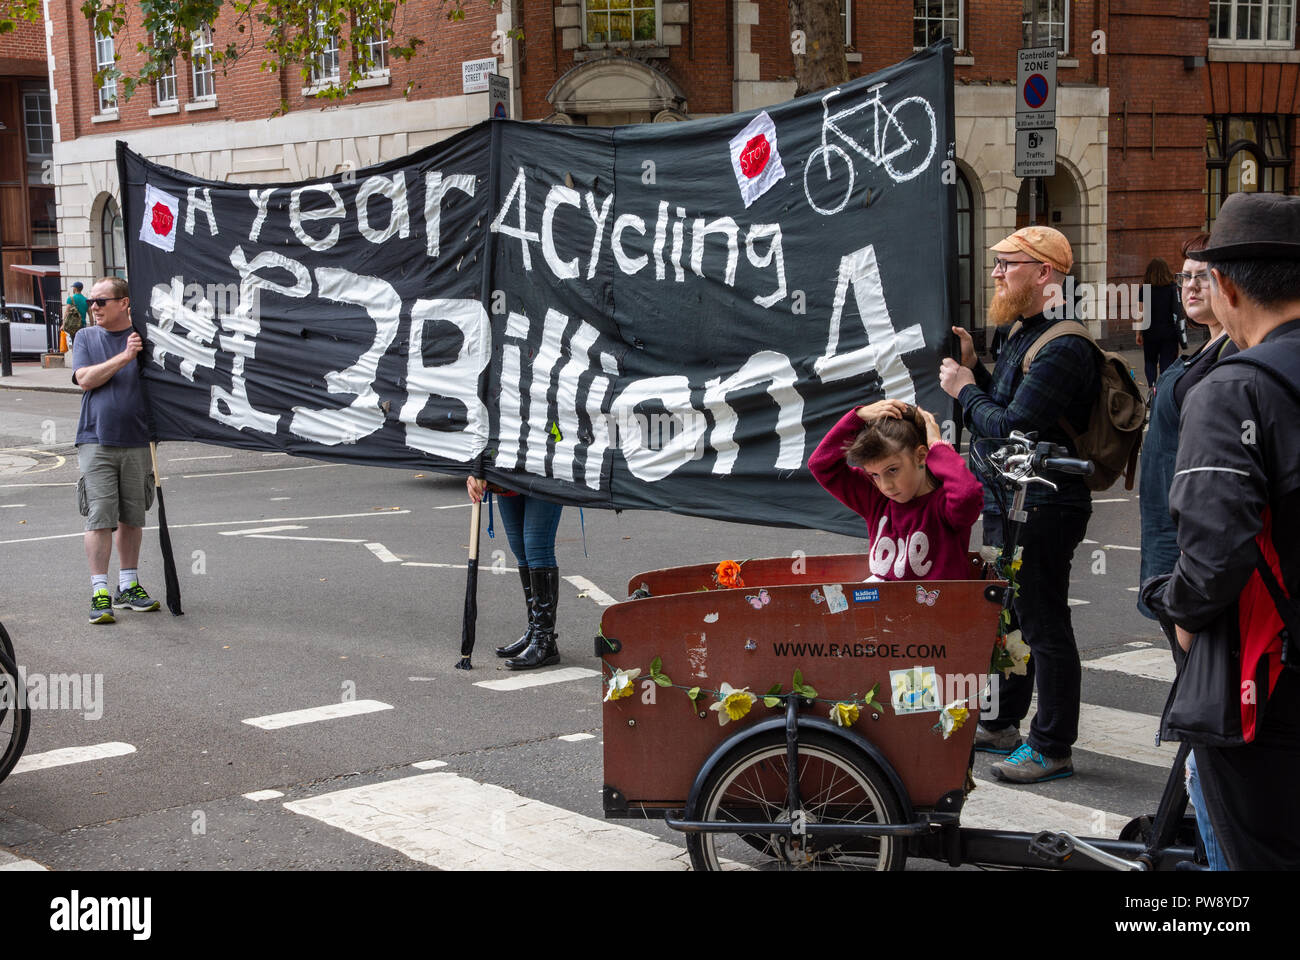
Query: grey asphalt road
x=298, y=594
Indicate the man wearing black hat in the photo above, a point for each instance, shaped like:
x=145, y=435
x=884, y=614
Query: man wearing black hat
x=1235, y=498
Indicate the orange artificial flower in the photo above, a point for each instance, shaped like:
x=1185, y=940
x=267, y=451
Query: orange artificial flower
x=728, y=574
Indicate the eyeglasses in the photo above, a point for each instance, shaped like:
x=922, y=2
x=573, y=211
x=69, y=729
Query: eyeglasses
x=1000, y=264
x=1193, y=279
x=103, y=301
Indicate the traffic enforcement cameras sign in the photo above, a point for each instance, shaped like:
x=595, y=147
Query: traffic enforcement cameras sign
x=1036, y=153
x=1035, y=88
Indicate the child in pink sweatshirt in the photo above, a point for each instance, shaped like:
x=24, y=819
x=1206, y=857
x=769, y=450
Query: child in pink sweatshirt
x=887, y=462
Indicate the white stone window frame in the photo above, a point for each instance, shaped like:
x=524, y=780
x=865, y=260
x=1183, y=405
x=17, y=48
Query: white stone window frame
x=165, y=84
x=105, y=93
x=203, y=74
x=959, y=43
x=1064, y=48
x=320, y=79
x=623, y=44
x=41, y=118
x=1265, y=5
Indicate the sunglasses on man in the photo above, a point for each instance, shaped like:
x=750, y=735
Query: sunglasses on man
x=103, y=301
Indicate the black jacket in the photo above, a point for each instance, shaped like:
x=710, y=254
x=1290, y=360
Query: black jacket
x=1238, y=452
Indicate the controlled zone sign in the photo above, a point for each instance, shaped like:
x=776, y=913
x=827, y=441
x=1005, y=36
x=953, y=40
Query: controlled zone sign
x=1035, y=88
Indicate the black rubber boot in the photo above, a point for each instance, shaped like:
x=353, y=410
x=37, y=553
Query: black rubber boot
x=520, y=645
x=542, y=651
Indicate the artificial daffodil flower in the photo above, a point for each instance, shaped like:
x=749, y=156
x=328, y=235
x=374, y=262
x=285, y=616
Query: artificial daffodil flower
x=620, y=684
x=952, y=717
x=845, y=714
x=1018, y=651
x=734, y=703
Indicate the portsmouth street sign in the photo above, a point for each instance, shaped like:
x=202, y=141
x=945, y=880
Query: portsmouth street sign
x=1035, y=88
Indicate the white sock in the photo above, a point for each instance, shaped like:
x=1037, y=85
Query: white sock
x=126, y=577
x=98, y=582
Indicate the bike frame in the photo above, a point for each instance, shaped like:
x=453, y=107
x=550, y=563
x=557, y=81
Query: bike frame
x=937, y=834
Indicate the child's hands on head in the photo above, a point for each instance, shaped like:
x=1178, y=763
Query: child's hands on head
x=933, y=434
x=895, y=409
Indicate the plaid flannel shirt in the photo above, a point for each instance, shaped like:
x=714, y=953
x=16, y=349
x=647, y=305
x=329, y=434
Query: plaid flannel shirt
x=1062, y=381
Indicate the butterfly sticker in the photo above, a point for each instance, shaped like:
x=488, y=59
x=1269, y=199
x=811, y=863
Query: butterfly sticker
x=751, y=645
x=926, y=597
x=760, y=601
x=817, y=597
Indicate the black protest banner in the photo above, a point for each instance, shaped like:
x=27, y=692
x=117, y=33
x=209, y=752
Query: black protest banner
x=666, y=316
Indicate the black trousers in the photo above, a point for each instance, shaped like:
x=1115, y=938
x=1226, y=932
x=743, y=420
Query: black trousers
x=1049, y=537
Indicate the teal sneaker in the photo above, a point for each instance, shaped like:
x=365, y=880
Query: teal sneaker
x=1027, y=765
x=134, y=598
x=101, y=607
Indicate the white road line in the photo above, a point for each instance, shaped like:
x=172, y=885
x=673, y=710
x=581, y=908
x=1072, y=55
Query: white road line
x=67, y=755
x=273, y=499
x=243, y=533
x=1138, y=643
x=454, y=506
x=276, y=454
x=383, y=553
x=454, y=823
x=534, y=679
x=221, y=523
x=1073, y=602
x=8, y=862
x=277, y=536
x=218, y=456
x=441, y=566
x=9, y=486
x=10, y=506
x=236, y=473
x=1133, y=589
x=992, y=806
x=575, y=737
x=257, y=796
x=331, y=711
x=1117, y=546
x=592, y=591
x=1122, y=734
x=421, y=679
x=1087, y=541
x=429, y=764
x=1155, y=663
x=1112, y=500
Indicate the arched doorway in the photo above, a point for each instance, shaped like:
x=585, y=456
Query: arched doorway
x=615, y=90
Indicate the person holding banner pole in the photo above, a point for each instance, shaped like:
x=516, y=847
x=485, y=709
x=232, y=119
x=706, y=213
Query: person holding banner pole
x=117, y=484
x=530, y=528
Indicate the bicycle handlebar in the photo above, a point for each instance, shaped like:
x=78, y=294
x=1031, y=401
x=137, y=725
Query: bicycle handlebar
x=1069, y=465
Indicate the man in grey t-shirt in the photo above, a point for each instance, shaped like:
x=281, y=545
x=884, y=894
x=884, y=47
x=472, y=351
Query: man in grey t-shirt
x=116, y=486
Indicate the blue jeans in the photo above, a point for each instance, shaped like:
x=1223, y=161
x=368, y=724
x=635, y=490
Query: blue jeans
x=1212, y=851
x=530, y=527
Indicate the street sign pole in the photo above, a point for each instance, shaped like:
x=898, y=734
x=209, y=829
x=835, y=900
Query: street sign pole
x=1033, y=181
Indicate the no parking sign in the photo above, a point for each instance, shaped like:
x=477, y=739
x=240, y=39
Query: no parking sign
x=1036, y=88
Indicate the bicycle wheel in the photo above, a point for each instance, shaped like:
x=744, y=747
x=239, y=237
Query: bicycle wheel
x=837, y=784
x=15, y=721
x=909, y=138
x=6, y=645
x=825, y=180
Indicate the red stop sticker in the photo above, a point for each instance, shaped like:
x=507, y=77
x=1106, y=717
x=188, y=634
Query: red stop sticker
x=162, y=219
x=754, y=157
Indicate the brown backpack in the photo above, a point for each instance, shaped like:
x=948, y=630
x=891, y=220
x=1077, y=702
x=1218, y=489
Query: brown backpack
x=1114, y=433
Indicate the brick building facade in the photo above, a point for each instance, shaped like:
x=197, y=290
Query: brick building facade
x=27, y=197
x=1115, y=195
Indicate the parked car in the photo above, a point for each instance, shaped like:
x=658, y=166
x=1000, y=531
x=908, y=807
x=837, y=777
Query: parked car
x=26, y=329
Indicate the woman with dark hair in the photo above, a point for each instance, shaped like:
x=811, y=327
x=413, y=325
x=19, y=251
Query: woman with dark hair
x=1158, y=333
x=1159, y=451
